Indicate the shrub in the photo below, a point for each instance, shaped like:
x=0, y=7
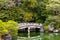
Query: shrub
x=46, y=28
x=8, y=27
x=54, y=20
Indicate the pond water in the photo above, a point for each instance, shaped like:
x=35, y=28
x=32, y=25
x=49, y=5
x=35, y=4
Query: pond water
x=39, y=36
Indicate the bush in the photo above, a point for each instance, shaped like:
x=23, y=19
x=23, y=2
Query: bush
x=54, y=20
x=8, y=27
x=46, y=28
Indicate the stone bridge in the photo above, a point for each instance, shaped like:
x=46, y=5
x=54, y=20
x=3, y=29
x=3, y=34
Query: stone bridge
x=30, y=25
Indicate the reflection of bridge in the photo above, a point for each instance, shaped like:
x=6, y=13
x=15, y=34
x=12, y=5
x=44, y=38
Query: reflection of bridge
x=31, y=38
x=37, y=37
x=42, y=36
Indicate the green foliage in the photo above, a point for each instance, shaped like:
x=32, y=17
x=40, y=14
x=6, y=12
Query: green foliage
x=28, y=16
x=8, y=27
x=54, y=7
x=27, y=11
x=3, y=3
x=55, y=20
x=46, y=28
x=30, y=3
x=37, y=11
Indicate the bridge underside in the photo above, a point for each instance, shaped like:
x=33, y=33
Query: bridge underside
x=31, y=30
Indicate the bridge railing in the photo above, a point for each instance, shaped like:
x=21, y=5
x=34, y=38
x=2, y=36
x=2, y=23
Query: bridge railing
x=34, y=25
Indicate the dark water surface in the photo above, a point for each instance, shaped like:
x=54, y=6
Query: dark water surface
x=39, y=36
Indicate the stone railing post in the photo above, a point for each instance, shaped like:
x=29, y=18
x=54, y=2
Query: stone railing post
x=28, y=32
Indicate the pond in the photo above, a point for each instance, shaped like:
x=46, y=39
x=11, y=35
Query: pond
x=39, y=36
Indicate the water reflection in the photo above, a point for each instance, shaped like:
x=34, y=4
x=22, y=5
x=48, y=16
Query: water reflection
x=41, y=36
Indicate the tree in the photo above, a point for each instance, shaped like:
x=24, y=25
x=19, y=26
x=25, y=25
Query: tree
x=28, y=16
x=27, y=11
x=53, y=6
x=37, y=8
x=55, y=20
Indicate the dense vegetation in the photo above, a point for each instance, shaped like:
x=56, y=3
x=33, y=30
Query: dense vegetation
x=38, y=11
x=23, y=11
x=9, y=27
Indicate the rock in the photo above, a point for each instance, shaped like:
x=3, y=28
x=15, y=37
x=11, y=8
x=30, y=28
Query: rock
x=41, y=28
x=56, y=31
x=51, y=28
x=7, y=37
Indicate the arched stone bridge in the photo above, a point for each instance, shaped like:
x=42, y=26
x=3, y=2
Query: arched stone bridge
x=30, y=25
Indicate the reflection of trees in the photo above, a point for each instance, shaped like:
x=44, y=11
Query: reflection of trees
x=51, y=36
x=56, y=34
x=44, y=36
x=41, y=36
